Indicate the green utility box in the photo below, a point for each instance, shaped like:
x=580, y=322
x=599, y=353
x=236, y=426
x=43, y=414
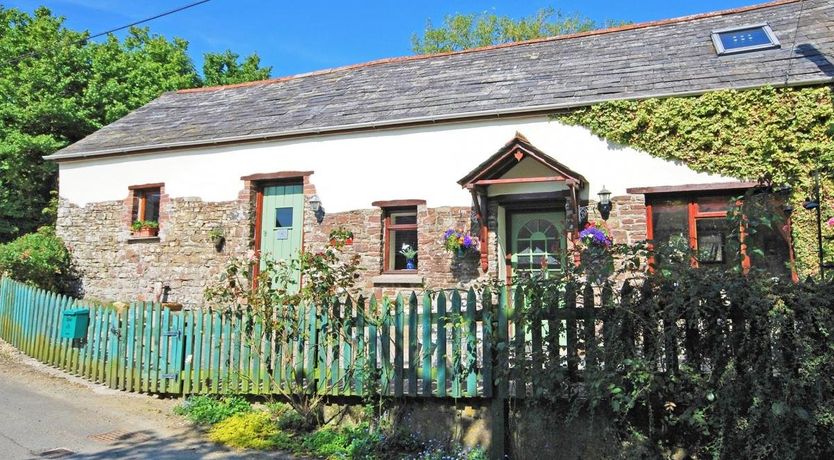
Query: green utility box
x=74, y=323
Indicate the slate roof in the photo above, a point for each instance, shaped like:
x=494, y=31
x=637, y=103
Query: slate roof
x=662, y=58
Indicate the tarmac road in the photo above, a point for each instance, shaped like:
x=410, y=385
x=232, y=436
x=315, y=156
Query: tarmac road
x=46, y=414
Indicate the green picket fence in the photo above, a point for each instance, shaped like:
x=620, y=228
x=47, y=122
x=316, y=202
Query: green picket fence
x=420, y=346
x=134, y=349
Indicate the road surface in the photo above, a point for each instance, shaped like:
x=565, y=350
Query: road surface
x=46, y=414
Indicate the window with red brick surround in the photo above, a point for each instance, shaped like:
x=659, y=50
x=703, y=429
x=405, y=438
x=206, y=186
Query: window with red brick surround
x=400, y=227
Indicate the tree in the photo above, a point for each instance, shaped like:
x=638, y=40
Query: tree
x=42, y=76
x=56, y=87
x=224, y=69
x=464, y=31
x=126, y=75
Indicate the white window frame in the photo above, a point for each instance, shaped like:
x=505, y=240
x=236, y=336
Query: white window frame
x=719, y=46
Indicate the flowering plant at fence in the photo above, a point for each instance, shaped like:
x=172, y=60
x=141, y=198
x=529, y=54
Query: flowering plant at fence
x=593, y=236
x=457, y=241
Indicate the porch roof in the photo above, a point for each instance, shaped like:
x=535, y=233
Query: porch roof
x=490, y=171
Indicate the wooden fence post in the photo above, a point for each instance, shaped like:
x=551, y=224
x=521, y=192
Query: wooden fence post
x=498, y=404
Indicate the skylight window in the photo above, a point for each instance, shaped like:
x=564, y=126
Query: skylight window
x=741, y=39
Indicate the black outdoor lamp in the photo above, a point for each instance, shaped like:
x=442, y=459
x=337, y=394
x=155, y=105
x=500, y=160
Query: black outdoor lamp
x=318, y=210
x=604, y=205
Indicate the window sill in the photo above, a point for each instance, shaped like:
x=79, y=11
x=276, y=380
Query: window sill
x=398, y=279
x=143, y=239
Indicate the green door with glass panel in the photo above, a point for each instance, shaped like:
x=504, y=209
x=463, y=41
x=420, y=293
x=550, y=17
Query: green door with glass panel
x=537, y=241
x=282, y=224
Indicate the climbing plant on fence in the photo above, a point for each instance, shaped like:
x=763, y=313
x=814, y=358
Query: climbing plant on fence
x=699, y=362
x=782, y=133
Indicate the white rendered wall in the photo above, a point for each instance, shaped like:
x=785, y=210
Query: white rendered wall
x=353, y=170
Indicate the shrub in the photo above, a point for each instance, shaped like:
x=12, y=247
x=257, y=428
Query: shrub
x=39, y=259
x=251, y=430
x=327, y=442
x=709, y=362
x=287, y=418
x=208, y=410
x=354, y=442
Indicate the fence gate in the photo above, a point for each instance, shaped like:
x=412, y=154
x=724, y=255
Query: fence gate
x=151, y=350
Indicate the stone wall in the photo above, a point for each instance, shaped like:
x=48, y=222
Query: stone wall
x=627, y=221
x=183, y=260
x=436, y=267
x=112, y=265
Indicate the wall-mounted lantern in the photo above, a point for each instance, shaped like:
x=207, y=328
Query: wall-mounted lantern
x=604, y=205
x=318, y=210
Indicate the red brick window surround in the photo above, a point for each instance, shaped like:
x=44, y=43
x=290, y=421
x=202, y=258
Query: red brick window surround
x=400, y=225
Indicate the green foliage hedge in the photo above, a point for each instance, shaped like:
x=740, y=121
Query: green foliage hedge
x=39, y=259
x=783, y=133
x=701, y=363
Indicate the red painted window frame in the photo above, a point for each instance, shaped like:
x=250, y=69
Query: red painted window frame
x=388, y=227
x=693, y=214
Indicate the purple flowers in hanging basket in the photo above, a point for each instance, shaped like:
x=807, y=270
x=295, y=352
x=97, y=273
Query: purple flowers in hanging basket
x=454, y=240
x=595, y=236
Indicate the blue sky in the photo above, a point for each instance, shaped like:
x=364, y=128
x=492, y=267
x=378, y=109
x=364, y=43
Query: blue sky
x=301, y=36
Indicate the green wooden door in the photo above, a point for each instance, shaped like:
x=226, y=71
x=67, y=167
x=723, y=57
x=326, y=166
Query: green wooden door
x=537, y=241
x=282, y=224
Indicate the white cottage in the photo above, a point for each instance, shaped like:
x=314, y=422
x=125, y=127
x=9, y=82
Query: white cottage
x=400, y=150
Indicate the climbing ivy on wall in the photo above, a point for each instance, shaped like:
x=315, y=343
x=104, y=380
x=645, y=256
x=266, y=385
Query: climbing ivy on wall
x=783, y=133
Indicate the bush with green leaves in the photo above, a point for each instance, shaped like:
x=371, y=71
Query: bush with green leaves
x=270, y=309
x=286, y=417
x=40, y=259
x=706, y=362
x=208, y=410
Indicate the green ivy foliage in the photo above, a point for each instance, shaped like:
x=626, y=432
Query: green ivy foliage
x=781, y=133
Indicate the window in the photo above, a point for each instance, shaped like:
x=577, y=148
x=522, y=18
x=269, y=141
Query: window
x=699, y=222
x=145, y=204
x=400, y=232
x=749, y=38
x=283, y=217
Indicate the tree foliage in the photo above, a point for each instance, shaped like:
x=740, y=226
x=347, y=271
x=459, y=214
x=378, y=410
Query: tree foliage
x=780, y=133
x=224, y=69
x=56, y=88
x=464, y=31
